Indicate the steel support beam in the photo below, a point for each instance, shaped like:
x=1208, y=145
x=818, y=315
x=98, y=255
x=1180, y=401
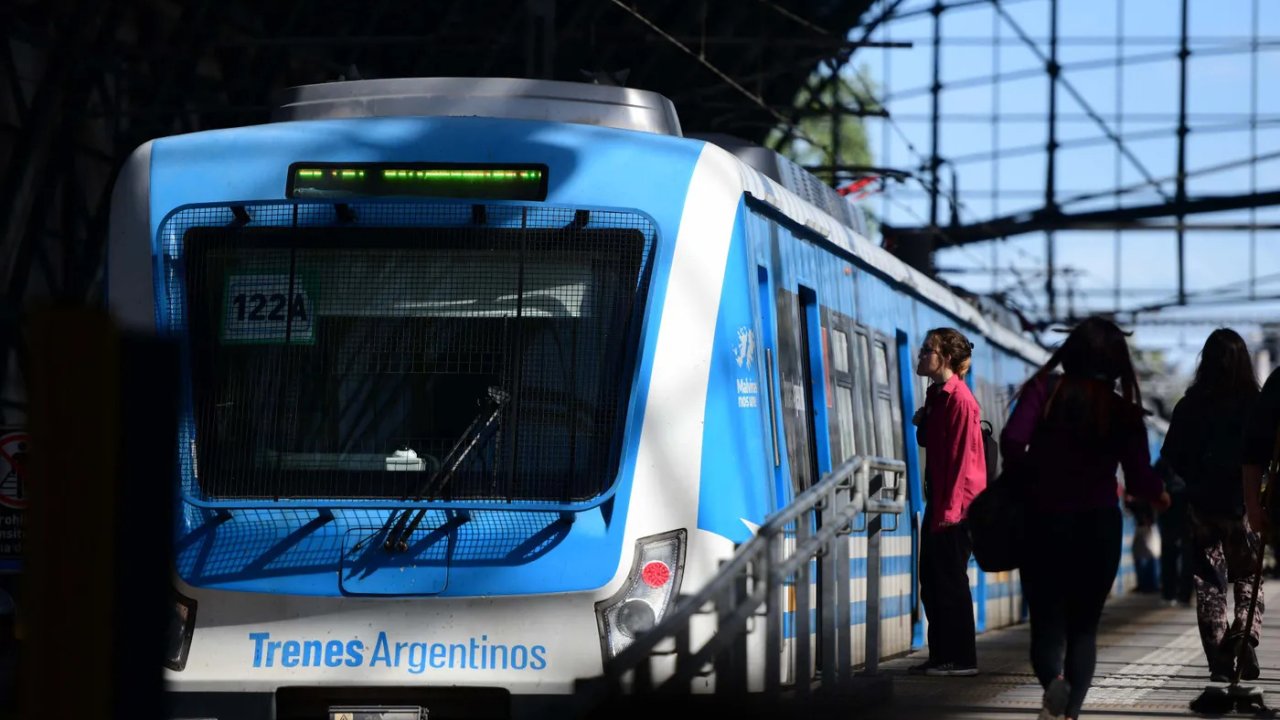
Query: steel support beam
x=935, y=91
x=1044, y=220
x=1180, y=193
x=30, y=166
x=1253, y=152
x=1051, y=148
x=1118, y=261
x=540, y=39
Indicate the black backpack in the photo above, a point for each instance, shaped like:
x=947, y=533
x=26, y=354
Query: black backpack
x=990, y=449
x=1223, y=447
x=1213, y=484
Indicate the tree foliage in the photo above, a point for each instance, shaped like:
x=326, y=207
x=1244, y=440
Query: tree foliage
x=812, y=141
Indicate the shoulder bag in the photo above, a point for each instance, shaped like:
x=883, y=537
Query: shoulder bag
x=997, y=516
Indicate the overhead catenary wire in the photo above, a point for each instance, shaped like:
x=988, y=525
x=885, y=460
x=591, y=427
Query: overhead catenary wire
x=759, y=101
x=792, y=16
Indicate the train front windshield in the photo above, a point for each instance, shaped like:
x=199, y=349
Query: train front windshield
x=390, y=362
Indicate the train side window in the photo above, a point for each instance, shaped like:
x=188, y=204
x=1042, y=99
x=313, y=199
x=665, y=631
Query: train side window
x=888, y=405
x=884, y=433
x=881, y=364
x=839, y=351
x=864, y=358
x=862, y=373
x=842, y=384
x=844, y=410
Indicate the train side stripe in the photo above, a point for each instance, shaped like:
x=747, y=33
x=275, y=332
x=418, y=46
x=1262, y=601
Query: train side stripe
x=665, y=491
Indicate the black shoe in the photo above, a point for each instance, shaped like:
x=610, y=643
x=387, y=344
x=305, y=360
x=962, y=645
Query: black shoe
x=1237, y=647
x=921, y=668
x=949, y=669
x=1054, y=704
x=1249, y=669
x=1224, y=656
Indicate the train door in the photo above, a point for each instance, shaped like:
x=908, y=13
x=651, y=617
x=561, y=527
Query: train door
x=913, y=389
x=788, y=375
x=769, y=347
x=889, y=545
x=796, y=379
x=850, y=430
x=791, y=332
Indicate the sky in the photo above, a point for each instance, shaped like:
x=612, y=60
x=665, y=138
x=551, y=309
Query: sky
x=1138, y=101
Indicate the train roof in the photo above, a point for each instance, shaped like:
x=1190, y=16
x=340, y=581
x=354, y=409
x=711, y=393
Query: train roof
x=803, y=212
x=768, y=176
x=513, y=98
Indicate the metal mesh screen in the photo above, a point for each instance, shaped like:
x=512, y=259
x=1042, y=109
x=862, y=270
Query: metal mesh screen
x=250, y=547
x=435, y=352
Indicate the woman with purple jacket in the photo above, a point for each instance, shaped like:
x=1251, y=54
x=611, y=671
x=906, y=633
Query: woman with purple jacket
x=1070, y=431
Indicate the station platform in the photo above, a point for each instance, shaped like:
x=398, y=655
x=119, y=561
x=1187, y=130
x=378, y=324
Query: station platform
x=1150, y=665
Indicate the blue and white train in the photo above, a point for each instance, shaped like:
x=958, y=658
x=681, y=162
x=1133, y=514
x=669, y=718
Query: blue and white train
x=479, y=375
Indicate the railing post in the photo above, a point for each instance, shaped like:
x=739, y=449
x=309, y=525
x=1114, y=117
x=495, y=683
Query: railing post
x=827, y=604
x=642, y=678
x=683, y=652
x=873, y=580
x=801, y=638
x=739, y=646
x=730, y=664
x=774, y=607
x=844, y=637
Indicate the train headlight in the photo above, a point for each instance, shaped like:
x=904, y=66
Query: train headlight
x=650, y=590
x=182, y=624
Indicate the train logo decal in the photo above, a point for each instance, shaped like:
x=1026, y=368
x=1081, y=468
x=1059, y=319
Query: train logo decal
x=13, y=469
x=745, y=353
x=413, y=657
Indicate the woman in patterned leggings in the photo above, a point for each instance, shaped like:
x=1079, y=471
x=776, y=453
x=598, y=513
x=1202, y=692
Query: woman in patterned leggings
x=1205, y=445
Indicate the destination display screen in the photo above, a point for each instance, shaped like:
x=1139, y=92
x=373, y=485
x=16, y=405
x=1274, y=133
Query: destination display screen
x=322, y=181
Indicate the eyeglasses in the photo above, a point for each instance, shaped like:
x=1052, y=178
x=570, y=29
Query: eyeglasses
x=925, y=351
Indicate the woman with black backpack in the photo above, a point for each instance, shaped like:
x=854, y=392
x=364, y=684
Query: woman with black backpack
x=1067, y=434
x=948, y=428
x=1205, y=445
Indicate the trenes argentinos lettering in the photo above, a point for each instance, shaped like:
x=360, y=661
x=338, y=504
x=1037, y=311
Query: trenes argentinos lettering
x=415, y=657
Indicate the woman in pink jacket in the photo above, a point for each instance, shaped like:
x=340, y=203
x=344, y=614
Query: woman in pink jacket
x=955, y=471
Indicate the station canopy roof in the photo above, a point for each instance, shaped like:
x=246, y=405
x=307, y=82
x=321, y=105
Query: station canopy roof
x=84, y=83
x=199, y=64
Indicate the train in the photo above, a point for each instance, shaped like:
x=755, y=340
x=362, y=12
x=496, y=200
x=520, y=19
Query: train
x=480, y=376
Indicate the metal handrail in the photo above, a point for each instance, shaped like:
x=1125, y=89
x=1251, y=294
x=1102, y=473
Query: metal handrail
x=753, y=549
x=756, y=575
x=887, y=467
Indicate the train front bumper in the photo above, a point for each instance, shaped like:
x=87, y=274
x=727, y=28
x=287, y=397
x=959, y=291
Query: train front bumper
x=275, y=656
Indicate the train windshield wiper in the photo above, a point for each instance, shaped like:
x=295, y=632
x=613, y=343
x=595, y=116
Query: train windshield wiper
x=477, y=434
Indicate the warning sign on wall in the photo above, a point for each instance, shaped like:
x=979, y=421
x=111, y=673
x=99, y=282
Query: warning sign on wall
x=14, y=452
